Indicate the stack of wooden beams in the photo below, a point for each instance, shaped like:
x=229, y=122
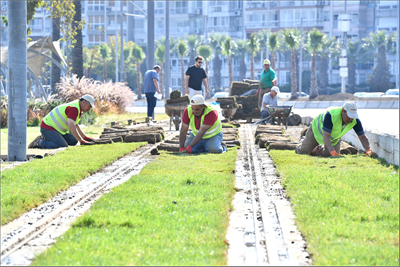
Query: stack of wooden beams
x=272, y=137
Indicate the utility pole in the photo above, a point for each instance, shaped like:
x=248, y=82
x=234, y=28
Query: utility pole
x=167, y=68
x=150, y=34
x=345, y=49
x=121, y=69
x=301, y=58
x=131, y=24
x=397, y=50
x=16, y=85
x=268, y=19
x=116, y=44
x=344, y=26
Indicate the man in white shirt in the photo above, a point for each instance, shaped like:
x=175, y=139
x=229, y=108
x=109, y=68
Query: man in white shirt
x=270, y=99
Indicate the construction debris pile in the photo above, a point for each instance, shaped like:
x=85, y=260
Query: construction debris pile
x=272, y=137
x=150, y=134
x=247, y=105
x=231, y=136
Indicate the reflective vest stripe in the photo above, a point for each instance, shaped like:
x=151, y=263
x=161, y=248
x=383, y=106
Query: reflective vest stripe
x=210, y=131
x=53, y=118
x=319, y=126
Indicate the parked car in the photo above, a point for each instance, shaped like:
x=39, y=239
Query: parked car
x=302, y=94
x=391, y=93
x=360, y=94
x=367, y=95
x=284, y=95
x=220, y=94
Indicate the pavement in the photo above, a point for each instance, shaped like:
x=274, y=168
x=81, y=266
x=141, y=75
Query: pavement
x=379, y=116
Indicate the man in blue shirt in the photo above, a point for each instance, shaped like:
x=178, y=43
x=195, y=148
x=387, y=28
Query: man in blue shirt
x=270, y=99
x=150, y=88
x=267, y=80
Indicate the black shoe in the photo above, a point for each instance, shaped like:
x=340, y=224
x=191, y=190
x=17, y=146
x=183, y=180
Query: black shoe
x=34, y=143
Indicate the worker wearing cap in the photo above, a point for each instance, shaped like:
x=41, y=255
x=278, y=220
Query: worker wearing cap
x=206, y=134
x=267, y=80
x=323, y=137
x=60, y=127
x=270, y=99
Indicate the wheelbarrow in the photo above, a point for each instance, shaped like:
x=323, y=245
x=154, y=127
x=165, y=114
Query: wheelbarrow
x=175, y=112
x=280, y=112
x=228, y=112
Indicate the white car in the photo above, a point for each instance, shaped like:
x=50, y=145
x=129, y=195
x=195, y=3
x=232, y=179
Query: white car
x=367, y=95
x=392, y=93
x=284, y=95
x=220, y=94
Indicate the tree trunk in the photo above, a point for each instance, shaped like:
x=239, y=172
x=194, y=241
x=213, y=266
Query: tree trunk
x=352, y=78
x=379, y=80
x=273, y=60
x=230, y=71
x=104, y=71
x=323, y=74
x=191, y=59
x=90, y=66
x=242, y=69
x=161, y=85
x=182, y=78
x=139, y=86
x=217, y=73
x=252, y=67
x=55, y=70
x=77, y=50
x=314, y=83
x=293, y=76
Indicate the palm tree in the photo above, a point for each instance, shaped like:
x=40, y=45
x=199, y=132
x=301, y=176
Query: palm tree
x=292, y=39
x=182, y=52
x=356, y=53
x=381, y=43
x=206, y=52
x=314, y=45
x=228, y=46
x=262, y=39
x=77, y=57
x=240, y=52
x=192, y=41
x=216, y=45
x=329, y=49
x=273, y=44
x=139, y=56
x=104, y=51
x=160, y=56
x=253, y=46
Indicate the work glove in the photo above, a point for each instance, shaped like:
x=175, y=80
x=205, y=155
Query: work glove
x=84, y=142
x=89, y=139
x=370, y=153
x=182, y=149
x=189, y=149
x=335, y=154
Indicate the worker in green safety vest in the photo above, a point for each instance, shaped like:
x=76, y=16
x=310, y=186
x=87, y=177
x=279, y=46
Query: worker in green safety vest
x=324, y=135
x=206, y=134
x=60, y=127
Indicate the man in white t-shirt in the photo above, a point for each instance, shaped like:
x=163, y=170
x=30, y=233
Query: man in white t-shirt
x=270, y=99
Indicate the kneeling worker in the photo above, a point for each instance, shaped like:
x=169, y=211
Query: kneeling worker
x=269, y=99
x=206, y=134
x=60, y=127
x=323, y=137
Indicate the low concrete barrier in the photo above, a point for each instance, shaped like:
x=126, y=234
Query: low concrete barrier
x=384, y=145
x=325, y=104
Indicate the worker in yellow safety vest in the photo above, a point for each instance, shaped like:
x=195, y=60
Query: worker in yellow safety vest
x=324, y=135
x=60, y=127
x=206, y=134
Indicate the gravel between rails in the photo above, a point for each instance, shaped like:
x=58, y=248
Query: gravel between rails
x=262, y=229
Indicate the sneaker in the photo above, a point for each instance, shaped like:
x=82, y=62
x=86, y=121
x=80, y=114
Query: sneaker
x=34, y=143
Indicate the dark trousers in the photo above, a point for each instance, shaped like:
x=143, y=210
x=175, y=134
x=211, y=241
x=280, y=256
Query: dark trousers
x=151, y=104
x=55, y=140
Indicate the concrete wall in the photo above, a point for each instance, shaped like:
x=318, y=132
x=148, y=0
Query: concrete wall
x=326, y=104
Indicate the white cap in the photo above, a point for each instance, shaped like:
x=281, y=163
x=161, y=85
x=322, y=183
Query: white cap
x=351, y=109
x=90, y=99
x=276, y=89
x=197, y=100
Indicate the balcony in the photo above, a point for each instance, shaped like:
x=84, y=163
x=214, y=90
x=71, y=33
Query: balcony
x=177, y=11
x=306, y=23
x=174, y=30
x=262, y=24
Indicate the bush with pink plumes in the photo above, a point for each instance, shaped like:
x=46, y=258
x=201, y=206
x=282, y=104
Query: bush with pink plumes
x=109, y=97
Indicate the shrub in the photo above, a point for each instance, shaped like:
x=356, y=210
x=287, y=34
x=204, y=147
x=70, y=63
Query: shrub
x=108, y=96
x=3, y=111
x=88, y=118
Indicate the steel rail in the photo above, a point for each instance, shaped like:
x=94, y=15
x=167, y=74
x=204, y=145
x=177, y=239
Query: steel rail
x=35, y=229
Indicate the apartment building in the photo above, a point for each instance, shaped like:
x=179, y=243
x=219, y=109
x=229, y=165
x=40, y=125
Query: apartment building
x=237, y=19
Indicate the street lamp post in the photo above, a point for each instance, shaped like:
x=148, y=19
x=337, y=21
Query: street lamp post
x=122, y=69
x=167, y=66
x=301, y=58
x=150, y=34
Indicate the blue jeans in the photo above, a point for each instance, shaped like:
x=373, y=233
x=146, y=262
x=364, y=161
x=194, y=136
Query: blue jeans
x=210, y=145
x=55, y=140
x=151, y=104
x=264, y=114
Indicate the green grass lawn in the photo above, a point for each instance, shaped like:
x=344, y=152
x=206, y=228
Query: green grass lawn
x=29, y=185
x=175, y=212
x=346, y=208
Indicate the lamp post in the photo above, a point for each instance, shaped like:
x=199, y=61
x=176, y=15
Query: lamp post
x=122, y=69
x=301, y=58
x=167, y=68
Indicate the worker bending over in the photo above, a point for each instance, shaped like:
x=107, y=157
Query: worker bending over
x=60, y=127
x=206, y=134
x=324, y=135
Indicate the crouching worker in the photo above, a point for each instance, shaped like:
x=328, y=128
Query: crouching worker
x=206, y=134
x=324, y=135
x=60, y=127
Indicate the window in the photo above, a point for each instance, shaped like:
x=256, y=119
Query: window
x=90, y=38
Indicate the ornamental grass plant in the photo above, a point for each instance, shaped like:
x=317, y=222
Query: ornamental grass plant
x=346, y=208
x=175, y=212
